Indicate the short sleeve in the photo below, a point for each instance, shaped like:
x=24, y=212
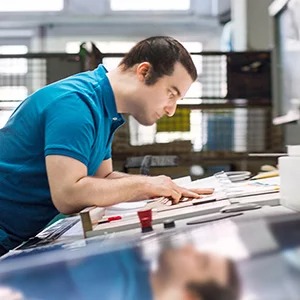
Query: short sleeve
x=69, y=129
x=108, y=152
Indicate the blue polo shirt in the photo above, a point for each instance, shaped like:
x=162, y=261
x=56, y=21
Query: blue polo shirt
x=74, y=117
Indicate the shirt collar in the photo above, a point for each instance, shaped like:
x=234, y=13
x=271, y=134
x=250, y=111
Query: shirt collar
x=107, y=92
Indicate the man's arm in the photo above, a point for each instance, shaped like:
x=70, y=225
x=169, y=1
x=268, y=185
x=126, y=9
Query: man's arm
x=106, y=171
x=72, y=190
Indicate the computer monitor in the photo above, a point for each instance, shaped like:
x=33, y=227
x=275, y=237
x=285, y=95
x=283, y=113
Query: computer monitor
x=285, y=15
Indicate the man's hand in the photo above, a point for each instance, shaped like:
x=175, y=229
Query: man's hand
x=164, y=186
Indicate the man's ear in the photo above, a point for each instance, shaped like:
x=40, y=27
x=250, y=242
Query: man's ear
x=143, y=70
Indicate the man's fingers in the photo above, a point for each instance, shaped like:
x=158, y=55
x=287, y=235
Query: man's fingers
x=176, y=196
x=196, y=193
x=190, y=194
x=203, y=191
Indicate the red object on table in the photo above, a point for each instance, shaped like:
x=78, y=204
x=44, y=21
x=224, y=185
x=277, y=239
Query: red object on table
x=145, y=217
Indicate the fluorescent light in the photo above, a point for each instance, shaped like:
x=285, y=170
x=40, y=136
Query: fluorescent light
x=31, y=5
x=121, y=5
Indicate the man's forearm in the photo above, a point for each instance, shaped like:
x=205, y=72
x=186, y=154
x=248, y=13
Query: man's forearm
x=115, y=188
x=117, y=174
x=90, y=191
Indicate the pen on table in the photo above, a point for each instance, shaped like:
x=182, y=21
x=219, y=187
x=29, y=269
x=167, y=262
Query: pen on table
x=108, y=219
x=265, y=175
x=204, y=201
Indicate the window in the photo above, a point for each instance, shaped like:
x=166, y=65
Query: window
x=12, y=72
x=10, y=66
x=12, y=93
x=128, y=5
x=31, y=5
x=193, y=46
x=9, y=100
x=195, y=90
x=13, y=49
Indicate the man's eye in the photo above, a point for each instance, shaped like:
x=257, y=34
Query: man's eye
x=171, y=95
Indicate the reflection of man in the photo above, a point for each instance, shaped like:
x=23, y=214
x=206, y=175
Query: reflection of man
x=186, y=273
x=182, y=273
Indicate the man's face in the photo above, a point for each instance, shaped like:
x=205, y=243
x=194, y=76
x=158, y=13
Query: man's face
x=187, y=264
x=160, y=99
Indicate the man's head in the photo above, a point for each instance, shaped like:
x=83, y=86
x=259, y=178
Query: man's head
x=157, y=71
x=214, y=290
x=197, y=275
x=162, y=53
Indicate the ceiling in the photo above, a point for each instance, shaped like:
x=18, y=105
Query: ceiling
x=98, y=12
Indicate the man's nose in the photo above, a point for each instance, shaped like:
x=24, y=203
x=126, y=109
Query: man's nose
x=170, y=109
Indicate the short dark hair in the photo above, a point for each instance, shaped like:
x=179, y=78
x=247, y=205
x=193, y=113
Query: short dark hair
x=162, y=52
x=213, y=291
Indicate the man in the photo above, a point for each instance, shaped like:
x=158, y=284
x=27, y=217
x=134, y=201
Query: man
x=55, y=151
